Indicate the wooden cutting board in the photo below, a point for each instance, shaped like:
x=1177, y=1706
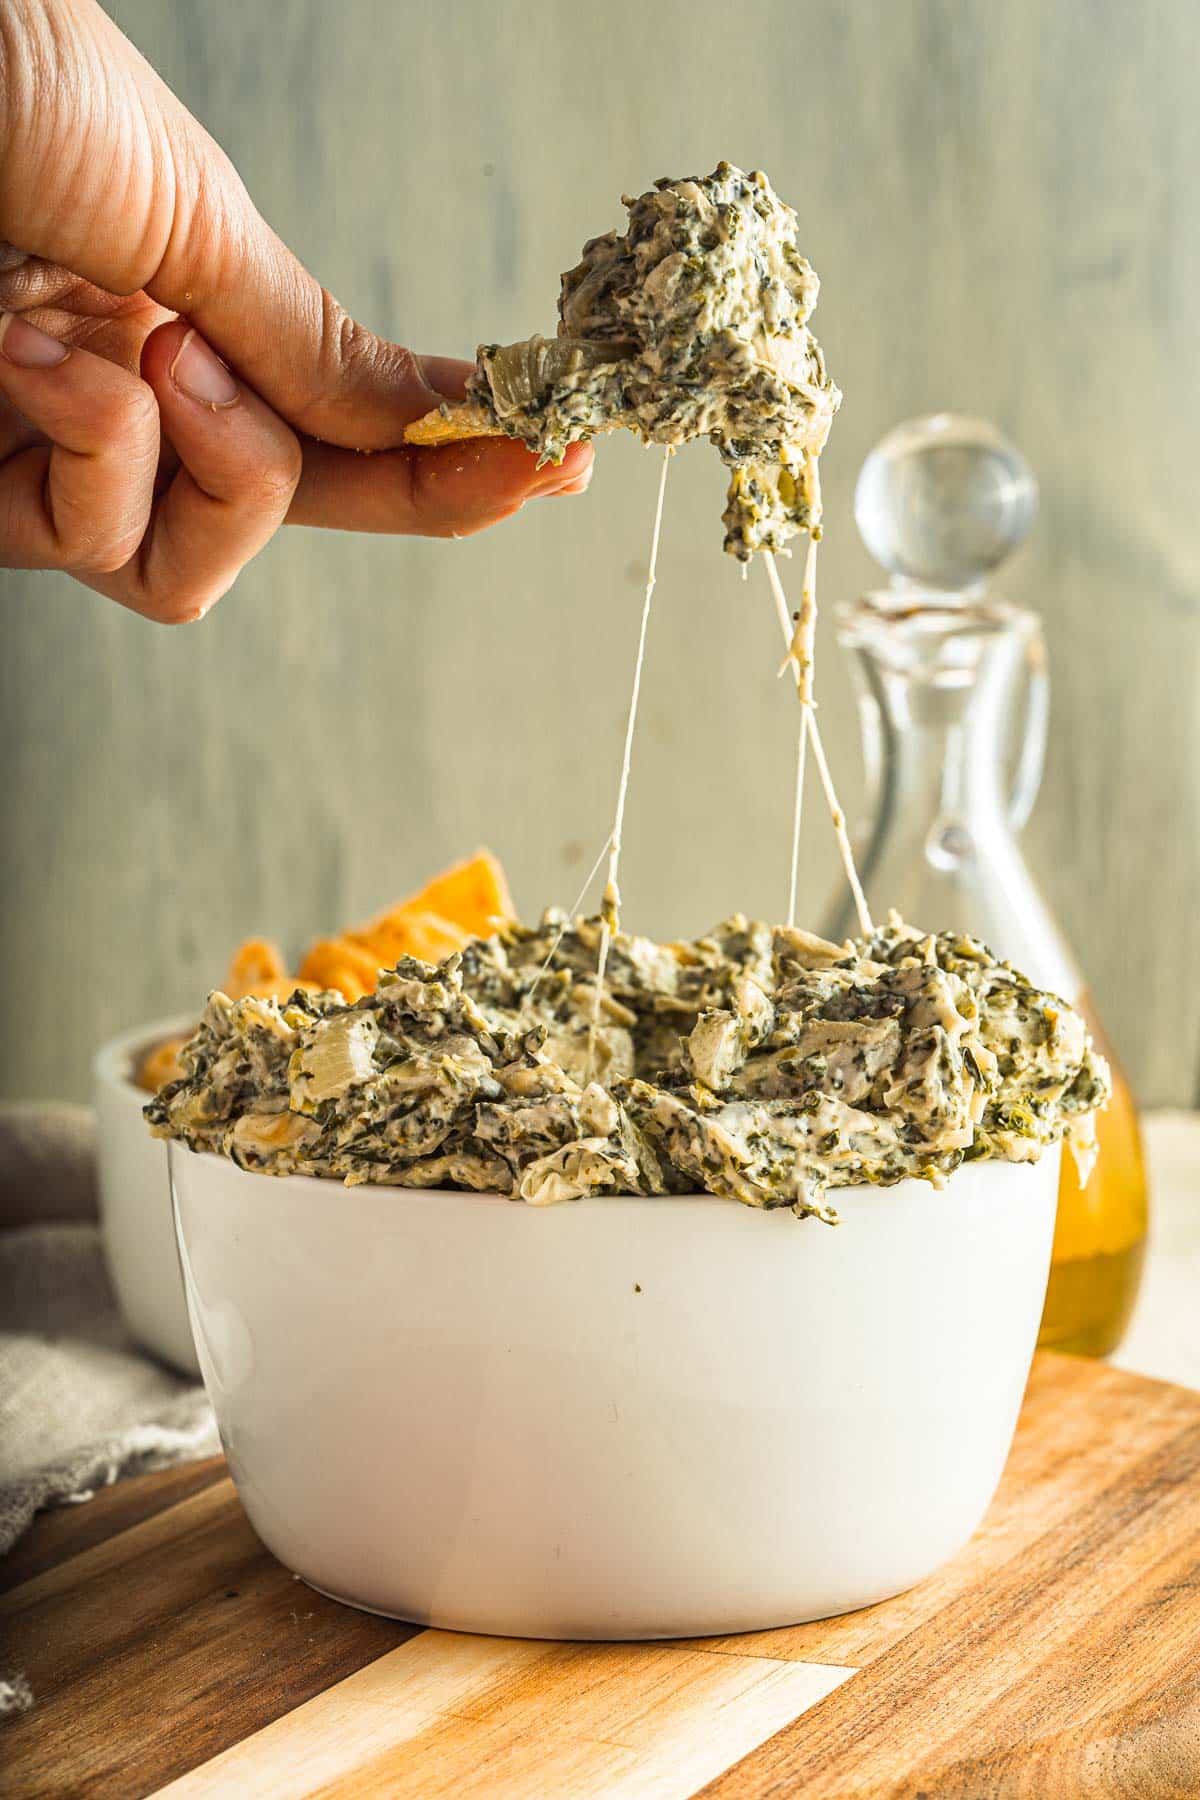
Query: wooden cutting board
x=1057, y=1657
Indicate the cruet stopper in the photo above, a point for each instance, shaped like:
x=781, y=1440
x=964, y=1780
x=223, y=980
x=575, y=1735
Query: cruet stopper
x=942, y=500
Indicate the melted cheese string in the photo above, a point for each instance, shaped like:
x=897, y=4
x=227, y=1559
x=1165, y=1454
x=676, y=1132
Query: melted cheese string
x=797, y=813
x=561, y=933
x=800, y=641
x=611, y=905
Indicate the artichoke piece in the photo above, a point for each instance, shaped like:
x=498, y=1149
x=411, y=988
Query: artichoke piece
x=339, y=1053
x=521, y=376
x=262, y=1136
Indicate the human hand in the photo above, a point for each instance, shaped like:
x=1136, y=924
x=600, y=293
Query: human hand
x=133, y=262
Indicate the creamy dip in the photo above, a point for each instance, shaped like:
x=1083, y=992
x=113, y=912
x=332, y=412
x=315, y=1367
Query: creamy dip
x=691, y=323
x=759, y=1063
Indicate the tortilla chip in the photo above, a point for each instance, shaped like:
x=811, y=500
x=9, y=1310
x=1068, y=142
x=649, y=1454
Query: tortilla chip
x=255, y=963
x=455, y=424
x=408, y=932
x=160, y=1065
x=338, y=963
x=452, y=424
x=467, y=900
x=473, y=894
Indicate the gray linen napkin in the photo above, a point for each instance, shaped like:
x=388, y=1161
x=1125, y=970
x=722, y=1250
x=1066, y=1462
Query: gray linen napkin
x=80, y=1404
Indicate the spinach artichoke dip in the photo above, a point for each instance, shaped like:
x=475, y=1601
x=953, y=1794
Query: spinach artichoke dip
x=759, y=1063
x=692, y=323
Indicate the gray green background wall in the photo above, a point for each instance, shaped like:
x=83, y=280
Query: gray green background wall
x=1001, y=201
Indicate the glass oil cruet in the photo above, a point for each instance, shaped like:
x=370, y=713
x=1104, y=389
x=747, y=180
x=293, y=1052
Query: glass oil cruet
x=953, y=696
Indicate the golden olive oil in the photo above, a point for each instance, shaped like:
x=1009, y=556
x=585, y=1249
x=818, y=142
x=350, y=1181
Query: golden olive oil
x=1100, y=1232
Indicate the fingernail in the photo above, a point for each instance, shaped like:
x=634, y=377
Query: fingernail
x=199, y=373
x=580, y=485
x=439, y=386
x=23, y=345
x=558, y=483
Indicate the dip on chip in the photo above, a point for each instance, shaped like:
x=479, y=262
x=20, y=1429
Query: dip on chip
x=693, y=322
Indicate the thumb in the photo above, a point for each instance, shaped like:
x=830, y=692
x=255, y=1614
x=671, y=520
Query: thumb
x=289, y=338
x=107, y=174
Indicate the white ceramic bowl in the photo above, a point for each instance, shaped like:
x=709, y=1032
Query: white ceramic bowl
x=135, y=1200
x=614, y=1418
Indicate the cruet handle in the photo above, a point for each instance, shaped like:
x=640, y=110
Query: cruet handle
x=1032, y=759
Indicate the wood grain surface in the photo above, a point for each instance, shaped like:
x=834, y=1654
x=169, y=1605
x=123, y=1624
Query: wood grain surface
x=1000, y=198
x=1054, y=1659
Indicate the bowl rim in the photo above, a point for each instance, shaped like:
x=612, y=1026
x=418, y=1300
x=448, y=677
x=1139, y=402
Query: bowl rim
x=114, y=1061
x=307, y=1184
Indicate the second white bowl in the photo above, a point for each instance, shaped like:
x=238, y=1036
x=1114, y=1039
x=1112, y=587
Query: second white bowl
x=135, y=1200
